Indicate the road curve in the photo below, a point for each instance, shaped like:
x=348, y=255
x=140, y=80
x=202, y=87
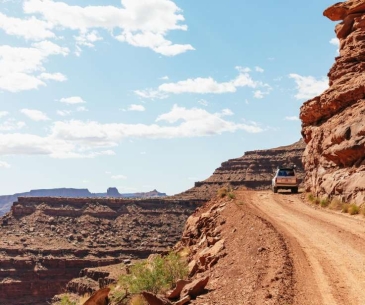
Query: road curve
x=328, y=248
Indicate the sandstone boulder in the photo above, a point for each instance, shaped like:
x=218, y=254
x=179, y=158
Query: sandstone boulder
x=195, y=288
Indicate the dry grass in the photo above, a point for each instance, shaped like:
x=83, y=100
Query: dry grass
x=353, y=209
x=222, y=192
x=324, y=202
x=336, y=204
x=138, y=300
x=362, y=209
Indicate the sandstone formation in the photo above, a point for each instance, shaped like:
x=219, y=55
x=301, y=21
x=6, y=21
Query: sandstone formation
x=332, y=123
x=45, y=242
x=7, y=200
x=254, y=170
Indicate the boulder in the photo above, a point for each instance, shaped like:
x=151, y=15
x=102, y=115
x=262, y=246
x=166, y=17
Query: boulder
x=195, y=288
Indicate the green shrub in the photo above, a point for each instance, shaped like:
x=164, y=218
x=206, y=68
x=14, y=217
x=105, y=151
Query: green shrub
x=310, y=197
x=231, y=195
x=324, y=202
x=66, y=301
x=156, y=276
x=353, y=209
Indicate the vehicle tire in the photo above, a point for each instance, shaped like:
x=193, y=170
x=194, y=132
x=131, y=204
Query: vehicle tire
x=294, y=190
x=274, y=189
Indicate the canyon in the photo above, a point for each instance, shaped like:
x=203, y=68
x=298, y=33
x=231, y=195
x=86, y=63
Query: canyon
x=332, y=123
x=47, y=241
x=254, y=170
x=7, y=200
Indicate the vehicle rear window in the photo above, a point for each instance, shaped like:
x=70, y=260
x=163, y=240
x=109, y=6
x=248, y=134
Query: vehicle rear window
x=286, y=172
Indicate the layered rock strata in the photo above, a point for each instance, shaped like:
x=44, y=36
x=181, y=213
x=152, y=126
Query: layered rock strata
x=45, y=242
x=333, y=123
x=254, y=170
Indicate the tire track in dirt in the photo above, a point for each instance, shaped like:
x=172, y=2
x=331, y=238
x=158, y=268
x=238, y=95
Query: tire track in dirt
x=328, y=248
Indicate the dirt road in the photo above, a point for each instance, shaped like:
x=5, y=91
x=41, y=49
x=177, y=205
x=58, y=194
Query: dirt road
x=327, y=248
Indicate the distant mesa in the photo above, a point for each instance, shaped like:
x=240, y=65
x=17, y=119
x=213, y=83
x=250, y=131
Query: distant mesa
x=7, y=200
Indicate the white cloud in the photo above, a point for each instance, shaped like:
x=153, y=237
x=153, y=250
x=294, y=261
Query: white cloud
x=259, y=69
x=135, y=107
x=291, y=118
x=78, y=139
x=4, y=164
x=119, y=177
x=19, y=65
x=72, y=100
x=35, y=115
x=11, y=124
x=3, y=114
x=139, y=23
x=335, y=42
x=203, y=102
x=30, y=29
x=64, y=112
x=308, y=87
x=164, y=77
x=202, y=85
x=59, y=77
x=81, y=109
x=88, y=39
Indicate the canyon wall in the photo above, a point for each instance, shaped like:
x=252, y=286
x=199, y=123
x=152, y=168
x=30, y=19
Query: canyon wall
x=333, y=123
x=254, y=170
x=45, y=242
x=7, y=200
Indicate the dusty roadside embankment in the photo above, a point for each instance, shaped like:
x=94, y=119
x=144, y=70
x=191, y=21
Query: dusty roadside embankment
x=280, y=250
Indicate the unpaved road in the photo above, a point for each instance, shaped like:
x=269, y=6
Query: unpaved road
x=327, y=248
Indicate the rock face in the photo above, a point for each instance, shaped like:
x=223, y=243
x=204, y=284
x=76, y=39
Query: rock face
x=253, y=170
x=7, y=200
x=45, y=242
x=333, y=123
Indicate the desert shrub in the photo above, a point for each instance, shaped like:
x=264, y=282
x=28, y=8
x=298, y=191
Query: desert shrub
x=157, y=275
x=345, y=208
x=118, y=296
x=317, y=200
x=353, y=209
x=310, y=197
x=137, y=300
x=231, y=195
x=222, y=192
x=324, y=202
x=336, y=204
x=66, y=301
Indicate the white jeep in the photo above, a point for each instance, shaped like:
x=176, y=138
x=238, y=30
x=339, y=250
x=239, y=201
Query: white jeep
x=285, y=178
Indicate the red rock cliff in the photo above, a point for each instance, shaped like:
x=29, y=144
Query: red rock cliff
x=333, y=123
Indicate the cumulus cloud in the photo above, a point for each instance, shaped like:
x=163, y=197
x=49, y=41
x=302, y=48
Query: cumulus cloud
x=203, y=102
x=35, y=115
x=135, y=107
x=11, y=124
x=72, y=100
x=259, y=69
x=19, y=65
x=59, y=77
x=30, y=28
x=308, y=87
x=138, y=22
x=291, y=118
x=4, y=164
x=202, y=85
x=79, y=139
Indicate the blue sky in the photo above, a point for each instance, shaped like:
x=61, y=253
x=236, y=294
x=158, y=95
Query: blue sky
x=144, y=94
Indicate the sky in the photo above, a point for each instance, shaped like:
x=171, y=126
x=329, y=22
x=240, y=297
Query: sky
x=151, y=94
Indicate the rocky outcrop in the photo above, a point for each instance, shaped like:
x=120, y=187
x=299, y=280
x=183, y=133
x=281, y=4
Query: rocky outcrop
x=332, y=123
x=254, y=170
x=45, y=242
x=112, y=192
